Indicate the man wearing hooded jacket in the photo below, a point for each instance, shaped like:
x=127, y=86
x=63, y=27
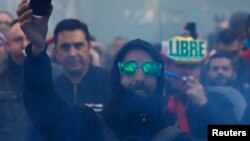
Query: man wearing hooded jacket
x=135, y=111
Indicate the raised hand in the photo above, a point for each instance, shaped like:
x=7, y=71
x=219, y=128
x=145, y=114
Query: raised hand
x=34, y=27
x=195, y=91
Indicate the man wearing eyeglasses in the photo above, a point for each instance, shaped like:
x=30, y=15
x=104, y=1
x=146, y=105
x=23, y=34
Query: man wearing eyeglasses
x=13, y=123
x=135, y=110
x=5, y=21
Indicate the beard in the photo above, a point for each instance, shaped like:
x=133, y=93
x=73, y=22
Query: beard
x=221, y=80
x=134, y=103
x=140, y=89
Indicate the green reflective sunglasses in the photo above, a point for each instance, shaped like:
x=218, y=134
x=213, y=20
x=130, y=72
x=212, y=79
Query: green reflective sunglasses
x=129, y=68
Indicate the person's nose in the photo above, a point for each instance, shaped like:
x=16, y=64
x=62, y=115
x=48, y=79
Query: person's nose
x=220, y=71
x=139, y=76
x=72, y=51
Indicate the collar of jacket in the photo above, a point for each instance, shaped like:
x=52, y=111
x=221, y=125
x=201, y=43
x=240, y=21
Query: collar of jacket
x=64, y=79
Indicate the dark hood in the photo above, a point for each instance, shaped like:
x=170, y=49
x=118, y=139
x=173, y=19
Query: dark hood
x=135, y=44
x=123, y=102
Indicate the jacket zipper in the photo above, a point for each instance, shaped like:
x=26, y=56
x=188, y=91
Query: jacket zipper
x=75, y=94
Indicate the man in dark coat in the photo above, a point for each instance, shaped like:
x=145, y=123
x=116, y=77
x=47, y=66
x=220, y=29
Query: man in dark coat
x=14, y=119
x=53, y=118
x=135, y=111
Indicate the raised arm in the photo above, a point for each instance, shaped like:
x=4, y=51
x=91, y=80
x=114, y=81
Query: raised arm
x=40, y=99
x=34, y=27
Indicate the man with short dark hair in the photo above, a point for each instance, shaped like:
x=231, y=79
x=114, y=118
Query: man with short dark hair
x=80, y=83
x=220, y=70
x=52, y=117
x=221, y=73
x=228, y=43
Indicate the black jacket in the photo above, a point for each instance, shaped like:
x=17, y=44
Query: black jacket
x=93, y=90
x=13, y=116
x=130, y=116
x=53, y=118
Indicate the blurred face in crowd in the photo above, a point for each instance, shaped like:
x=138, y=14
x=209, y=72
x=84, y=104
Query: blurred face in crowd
x=98, y=52
x=183, y=70
x=221, y=25
x=5, y=21
x=116, y=46
x=95, y=58
x=17, y=42
x=221, y=72
x=234, y=46
x=73, y=51
x=232, y=49
x=2, y=50
x=139, y=82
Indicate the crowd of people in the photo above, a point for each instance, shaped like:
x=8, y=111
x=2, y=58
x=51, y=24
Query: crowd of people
x=70, y=87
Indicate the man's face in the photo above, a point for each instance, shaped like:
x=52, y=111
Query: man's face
x=5, y=21
x=140, y=84
x=73, y=51
x=183, y=70
x=17, y=42
x=221, y=72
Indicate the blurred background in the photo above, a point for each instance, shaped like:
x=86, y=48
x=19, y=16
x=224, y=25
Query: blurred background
x=152, y=20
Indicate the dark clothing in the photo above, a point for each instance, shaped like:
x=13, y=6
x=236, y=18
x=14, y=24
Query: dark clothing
x=218, y=110
x=140, y=127
x=92, y=91
x=242, y=71
x=13, y=116
x=54, y=119
x=126, y=124
x=245, y=91
x=132, y=116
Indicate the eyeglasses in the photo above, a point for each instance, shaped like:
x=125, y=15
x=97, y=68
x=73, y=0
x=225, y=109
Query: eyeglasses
x=129, y=68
